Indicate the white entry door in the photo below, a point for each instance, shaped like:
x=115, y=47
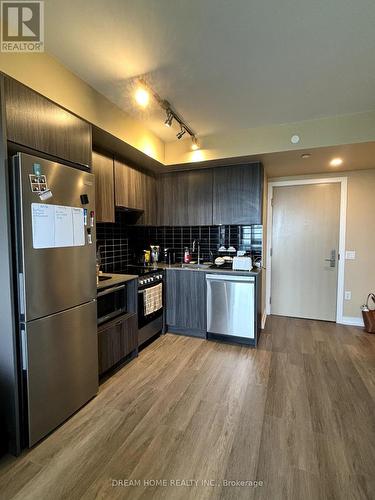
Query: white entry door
x=305, y=244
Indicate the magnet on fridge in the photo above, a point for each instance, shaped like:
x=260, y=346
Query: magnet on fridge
x=45, y=195
x=85, y=216
x=92, y=213
x=89, y=236
x=37, y=169
x=84, y=199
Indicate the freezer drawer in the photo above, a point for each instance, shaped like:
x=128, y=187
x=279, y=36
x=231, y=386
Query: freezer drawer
x=61, y=357
x=231, y=305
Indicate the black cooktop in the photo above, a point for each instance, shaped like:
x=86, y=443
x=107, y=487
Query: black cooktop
x=140, y=270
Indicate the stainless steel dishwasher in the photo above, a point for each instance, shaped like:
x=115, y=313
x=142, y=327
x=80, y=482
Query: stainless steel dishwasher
x=231, y=305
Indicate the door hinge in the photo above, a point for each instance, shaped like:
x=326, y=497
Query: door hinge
x=270, y=252
x=270, y=300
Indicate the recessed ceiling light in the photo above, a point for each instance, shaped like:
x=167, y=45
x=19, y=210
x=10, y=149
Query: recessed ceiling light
x=142, y=96
x=306, y=155
x=295, y=139
x=336, y=162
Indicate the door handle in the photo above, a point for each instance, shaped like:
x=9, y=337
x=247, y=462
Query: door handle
x=332, y=259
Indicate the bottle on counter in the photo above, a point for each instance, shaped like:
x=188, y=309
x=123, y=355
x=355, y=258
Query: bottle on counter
x=187, y=255
x=147, y=257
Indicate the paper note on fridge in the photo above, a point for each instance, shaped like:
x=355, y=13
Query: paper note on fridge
x=56, y=226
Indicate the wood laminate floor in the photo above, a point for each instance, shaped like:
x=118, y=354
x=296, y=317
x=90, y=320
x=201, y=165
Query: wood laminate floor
x=297, y=413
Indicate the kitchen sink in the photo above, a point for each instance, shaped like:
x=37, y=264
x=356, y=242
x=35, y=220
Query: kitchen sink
x=104, y=278
x=195, y=266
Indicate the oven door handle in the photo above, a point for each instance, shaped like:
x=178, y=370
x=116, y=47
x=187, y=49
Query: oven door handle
x=141, y=291
x=110, y=290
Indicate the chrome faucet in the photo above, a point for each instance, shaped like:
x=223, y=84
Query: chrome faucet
x=198, y=244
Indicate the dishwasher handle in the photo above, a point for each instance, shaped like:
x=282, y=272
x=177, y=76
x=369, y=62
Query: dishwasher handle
x=230, y=277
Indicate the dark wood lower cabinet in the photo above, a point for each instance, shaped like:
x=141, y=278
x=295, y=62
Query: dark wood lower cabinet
x=116, y=340
x=186, y=302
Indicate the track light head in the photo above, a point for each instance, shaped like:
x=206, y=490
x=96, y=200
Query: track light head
x=194, y=145
x=169, y=119
x=180, y=133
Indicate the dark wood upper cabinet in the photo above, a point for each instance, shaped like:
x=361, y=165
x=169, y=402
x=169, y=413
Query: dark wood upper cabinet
x=103, y=169
x=36, y=122
x=136, y=190
x=185, y=198
x=237, y=194
x=127, y=187
x=149, y=216
x=172, y=199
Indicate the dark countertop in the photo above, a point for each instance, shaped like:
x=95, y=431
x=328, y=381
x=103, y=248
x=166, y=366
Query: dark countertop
x=207, y=269
x=115, y=279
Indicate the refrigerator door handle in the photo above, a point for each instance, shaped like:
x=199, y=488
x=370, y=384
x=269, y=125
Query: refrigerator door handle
x=21, y=288
x=23, y=348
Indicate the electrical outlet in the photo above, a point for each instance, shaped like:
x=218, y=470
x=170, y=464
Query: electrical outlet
x=350, y=255
x=348, y=295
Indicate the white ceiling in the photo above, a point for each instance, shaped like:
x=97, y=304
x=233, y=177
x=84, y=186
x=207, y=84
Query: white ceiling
x=223, y=64
x=360, y=156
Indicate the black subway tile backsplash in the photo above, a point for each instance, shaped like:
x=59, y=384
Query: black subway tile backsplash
x=120, y=244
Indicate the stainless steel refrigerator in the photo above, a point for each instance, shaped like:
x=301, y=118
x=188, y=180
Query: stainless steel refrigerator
x=54, y=208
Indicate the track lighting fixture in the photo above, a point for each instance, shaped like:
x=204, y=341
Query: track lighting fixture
x=144, y=91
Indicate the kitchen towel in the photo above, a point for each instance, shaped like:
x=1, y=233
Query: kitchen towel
x=153, y=299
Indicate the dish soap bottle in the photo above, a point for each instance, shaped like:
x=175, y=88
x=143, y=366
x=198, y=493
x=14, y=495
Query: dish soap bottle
x=187, y=256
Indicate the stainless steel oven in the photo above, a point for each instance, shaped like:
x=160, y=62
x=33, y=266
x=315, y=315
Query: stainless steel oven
x=150, y=319
x=111, y=303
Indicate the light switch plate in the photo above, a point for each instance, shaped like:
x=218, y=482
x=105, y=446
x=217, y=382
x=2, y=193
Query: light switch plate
x=350, y=255
x=348, y=295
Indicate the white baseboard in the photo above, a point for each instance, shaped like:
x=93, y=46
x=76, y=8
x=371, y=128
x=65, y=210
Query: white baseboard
x=351, y=320
x=264, y=319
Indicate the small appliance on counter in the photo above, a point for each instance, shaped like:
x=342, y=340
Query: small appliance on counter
x=242, y=264
x=155, y=252
x=170, y=256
